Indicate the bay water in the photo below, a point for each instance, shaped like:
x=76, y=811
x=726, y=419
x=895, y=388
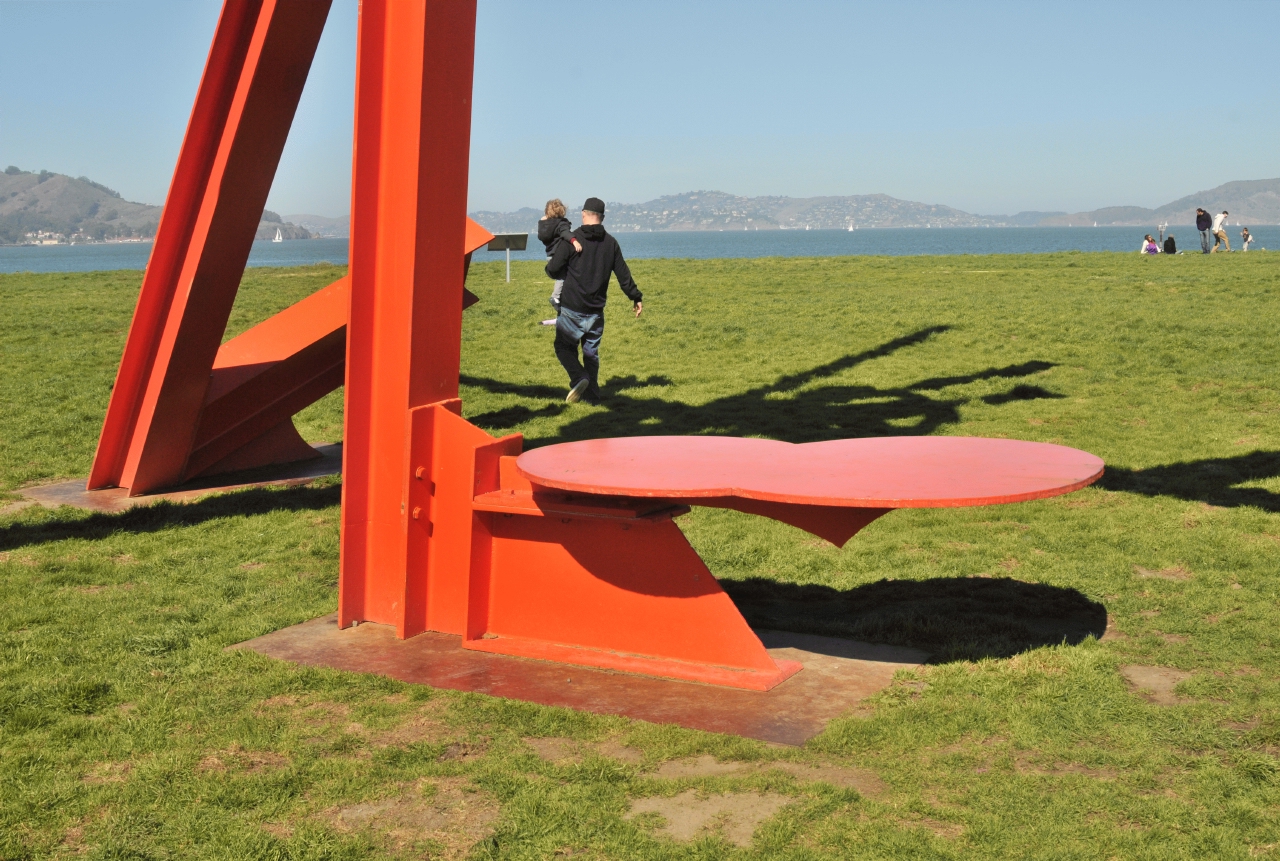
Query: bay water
x=893, y=242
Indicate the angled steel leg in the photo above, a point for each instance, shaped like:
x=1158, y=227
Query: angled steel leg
x=252, y=81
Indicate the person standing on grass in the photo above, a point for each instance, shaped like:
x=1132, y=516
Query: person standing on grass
x=586, y=284
x=1245, y=239
x=1219, y=231
x=1203, y=223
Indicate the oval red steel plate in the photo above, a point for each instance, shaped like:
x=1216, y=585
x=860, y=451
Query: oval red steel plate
x=879, y=472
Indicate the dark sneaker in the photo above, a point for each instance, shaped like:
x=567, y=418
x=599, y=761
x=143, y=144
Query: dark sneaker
x=575, y=394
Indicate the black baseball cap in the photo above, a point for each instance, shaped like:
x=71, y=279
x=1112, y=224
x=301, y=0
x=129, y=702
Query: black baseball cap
x=593, y=204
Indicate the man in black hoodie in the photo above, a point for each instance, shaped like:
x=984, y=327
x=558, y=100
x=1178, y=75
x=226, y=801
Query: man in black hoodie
x=586, y=285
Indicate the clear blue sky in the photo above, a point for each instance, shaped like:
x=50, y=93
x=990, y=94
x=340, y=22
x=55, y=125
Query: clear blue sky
x=988, y=107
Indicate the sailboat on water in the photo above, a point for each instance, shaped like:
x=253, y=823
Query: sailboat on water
x=279, y=236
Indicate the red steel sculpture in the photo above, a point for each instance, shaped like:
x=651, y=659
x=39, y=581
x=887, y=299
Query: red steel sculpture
x=567, y=553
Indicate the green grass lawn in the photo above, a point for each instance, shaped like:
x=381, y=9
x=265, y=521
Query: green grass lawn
x=128, y=732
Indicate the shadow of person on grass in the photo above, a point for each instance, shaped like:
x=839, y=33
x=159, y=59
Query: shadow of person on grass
x=1215, y=480
x=951, y=618
x=795, y=408
x=167, y=515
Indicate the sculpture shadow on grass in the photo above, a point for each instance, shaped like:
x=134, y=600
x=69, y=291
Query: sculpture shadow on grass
x=795, y=408
x=951, y=618
x=1215, y=481
x=170, y=515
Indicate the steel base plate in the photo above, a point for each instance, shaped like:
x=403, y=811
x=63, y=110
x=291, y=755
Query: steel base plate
x=837, y=675
x=111, y=499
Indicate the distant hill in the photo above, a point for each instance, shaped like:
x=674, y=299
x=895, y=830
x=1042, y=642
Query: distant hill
x=326, y=228
x=1250, y=202
x=271, y=222
x=716, y=210
x=61, y=205
x=1255, y=201
x=53, y=207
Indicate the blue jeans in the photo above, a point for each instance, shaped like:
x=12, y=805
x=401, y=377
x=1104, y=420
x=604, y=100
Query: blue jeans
x=1204, y=241
x=574, y=328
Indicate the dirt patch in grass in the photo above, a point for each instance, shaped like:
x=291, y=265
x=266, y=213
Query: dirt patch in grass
x=448, y=813
x=948, y=830
x=613, y=749
x=699, y=766
x=73, y=839
x=961, y=747
x=570, y=751
x=1112, y=633
x=278, y=701
x=108, y=772
x=1025, y=764
x=417, y=729
x=735, y=816
x=1173, y=572
x=317, y=714
x=420, y=725
x=464, y=751
x=324, y=718
x=555, y=749
x=102, y=587
x=236, y=758
x=841, y=776
x=278, y=830
x=1155, y=684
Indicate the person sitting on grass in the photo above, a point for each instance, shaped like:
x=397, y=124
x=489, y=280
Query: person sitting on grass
x=586, y=285
x=554, y=229
x=1170, y=247
x=1149, y=245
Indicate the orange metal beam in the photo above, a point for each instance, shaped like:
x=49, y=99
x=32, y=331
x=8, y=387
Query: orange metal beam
x=409, y=195
x=182, y=405
x=257, y=66
x=276, y=369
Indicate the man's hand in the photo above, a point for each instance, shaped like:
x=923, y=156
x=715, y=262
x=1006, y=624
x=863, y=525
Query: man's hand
x=577, y=246
x=639, y=306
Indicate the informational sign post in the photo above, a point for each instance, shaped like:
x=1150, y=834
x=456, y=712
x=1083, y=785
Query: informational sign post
x=509, y=242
